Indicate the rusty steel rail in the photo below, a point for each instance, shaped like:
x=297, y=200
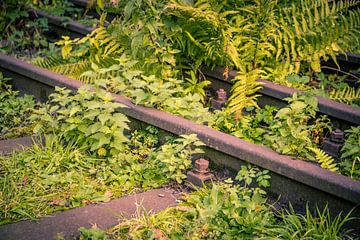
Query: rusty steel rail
x=80, y=3
x=297, y=181
x=349, y=57
x=63, y=26
x=342, y=114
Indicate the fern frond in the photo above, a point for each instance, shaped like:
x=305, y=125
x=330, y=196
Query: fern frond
x=304, y=26
x=202, y=13
x=244, y=91
x=91, y=76
x=347, y=95
x=49, y=62
x=205, y=34
x=325, y=160
x=72, y=69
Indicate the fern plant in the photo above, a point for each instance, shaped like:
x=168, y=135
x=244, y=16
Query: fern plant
x=347, y=95
x=325, y=160
x=244, y=92
x=203, y=33
x=268, y=37
x=261, y=38
x=79, y=55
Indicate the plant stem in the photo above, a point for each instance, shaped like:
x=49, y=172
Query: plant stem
x=338, y=70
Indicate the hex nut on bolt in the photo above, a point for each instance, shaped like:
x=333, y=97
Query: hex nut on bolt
x=200, y=174
x=221, y=94
x=337, y=136
x=220, y=101
x=333, y=145
x=202, y=166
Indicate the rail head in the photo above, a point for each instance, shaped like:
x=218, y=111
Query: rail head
x=349, y=57
x=329, y=107
x=80, y=3
x=61, y=22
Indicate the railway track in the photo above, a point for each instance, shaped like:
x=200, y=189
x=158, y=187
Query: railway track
x=295, y=181
x=299, y=182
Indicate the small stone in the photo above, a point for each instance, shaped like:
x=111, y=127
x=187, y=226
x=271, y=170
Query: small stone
x=200, y=174
x=161, y=195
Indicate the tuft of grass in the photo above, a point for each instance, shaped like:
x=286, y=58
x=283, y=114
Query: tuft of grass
x=57, y=174
x=44, y=178
x=320, y=225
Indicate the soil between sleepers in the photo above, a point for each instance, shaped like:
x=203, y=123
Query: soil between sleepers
x=104, y=215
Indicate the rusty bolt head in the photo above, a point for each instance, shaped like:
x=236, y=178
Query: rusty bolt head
x=201, y=165
x=221, y=94
x=337, y=136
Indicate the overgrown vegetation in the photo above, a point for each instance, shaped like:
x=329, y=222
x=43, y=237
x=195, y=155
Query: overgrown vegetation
x=227, y=211
x=67, y=10
x=273, y=40
x=153, y=52
x=20, y=34
x=87, y=156
x=293, y=130
x=14, y=111
x=89, y=118
x=351, y=153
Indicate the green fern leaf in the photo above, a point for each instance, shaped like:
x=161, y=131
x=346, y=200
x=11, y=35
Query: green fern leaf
x=325, y=160
x=347, y=95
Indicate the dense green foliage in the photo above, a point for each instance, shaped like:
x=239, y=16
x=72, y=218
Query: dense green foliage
x=57, y=175
x=144, y=54
x=332, y=86
x=295, y=127
x=351, y=153
x=58, y=8
x=293, y=130
x=20, y=33
x=14, y=111
x=226, y=211
x=261, y=38
x=87, y=156
x=89, y=118
x=65, y=9
x=268, y=39
x=152, y=55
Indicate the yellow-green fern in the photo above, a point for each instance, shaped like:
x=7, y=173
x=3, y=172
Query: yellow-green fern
x=325, y=160
x=347, y=95
x=244, y=91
